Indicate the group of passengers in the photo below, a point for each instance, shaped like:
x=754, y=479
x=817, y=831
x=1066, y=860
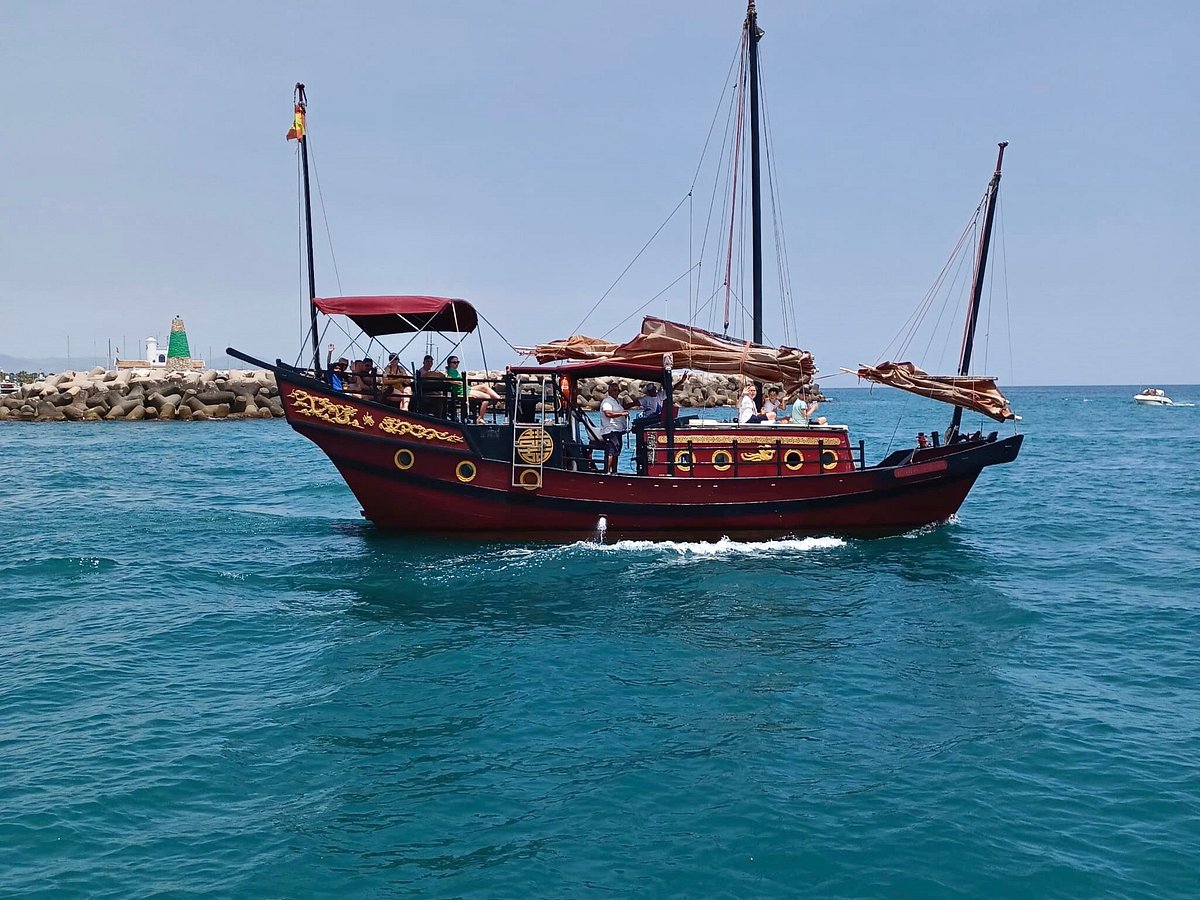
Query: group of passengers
x=803, y=409
x=614, y=414
x=394, y=384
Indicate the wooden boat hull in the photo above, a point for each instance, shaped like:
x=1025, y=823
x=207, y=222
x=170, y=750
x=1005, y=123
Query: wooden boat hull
x=418, y=474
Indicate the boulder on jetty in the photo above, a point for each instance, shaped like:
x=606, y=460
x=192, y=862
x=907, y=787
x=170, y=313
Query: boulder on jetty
x=131, y=395
x=699, y=390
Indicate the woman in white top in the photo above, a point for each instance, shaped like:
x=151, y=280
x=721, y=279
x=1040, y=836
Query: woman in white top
x=747, y=413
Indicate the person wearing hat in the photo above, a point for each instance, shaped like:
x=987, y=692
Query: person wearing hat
x=650, y=402
x=337, y=375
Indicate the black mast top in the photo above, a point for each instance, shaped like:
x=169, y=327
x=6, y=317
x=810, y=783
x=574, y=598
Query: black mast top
x=753, y=35
x=985, y=240
x=302, y=137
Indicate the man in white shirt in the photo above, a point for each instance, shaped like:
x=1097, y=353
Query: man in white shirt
x=614, y=422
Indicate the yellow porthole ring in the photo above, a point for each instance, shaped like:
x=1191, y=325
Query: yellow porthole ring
x=793, y=459
x=683, y=461
x=530, y=479
x=829, y=459
x=722, y=460
x=404, y=458
x=466, y=471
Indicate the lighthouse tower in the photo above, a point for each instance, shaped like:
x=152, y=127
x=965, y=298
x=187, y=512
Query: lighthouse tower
x=179, y=357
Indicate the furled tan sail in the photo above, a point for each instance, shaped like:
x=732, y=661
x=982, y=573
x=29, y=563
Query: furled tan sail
x=691, y=348
x=978, y=393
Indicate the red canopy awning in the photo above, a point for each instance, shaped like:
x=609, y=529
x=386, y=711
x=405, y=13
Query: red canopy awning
x=401, y=315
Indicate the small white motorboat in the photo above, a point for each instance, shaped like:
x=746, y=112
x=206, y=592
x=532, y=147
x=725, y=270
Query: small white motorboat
x=1153, y=397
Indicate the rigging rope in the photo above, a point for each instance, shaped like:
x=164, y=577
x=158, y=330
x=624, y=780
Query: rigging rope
x=588, y=314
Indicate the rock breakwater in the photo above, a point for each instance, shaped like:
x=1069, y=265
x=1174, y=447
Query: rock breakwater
x=131, y=395
x=697, y=391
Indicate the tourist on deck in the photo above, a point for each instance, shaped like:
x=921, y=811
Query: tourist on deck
x=433, y=388
x=337, y=372
x=803, y=411
x=455, y=384
x=771, y=406
x=486, y=395
x=650, y=402
x=747, y=411
x=427, y=370
x=397, y=385
x=614, y=422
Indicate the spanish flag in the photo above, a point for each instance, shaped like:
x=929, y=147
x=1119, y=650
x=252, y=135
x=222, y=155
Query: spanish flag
x=297, y=130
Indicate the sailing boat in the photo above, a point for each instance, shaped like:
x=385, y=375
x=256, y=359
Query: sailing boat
x=418, y=460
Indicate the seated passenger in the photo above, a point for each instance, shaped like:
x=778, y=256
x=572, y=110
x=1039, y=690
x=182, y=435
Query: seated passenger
x=427, y=370
x=803, y=411
x=747, y=412
x=486, y=395
x=354, y=383
x=337, y=374
x=771, y=406
x=397, y=385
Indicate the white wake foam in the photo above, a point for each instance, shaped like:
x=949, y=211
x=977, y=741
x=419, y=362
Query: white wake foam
x=723, y=547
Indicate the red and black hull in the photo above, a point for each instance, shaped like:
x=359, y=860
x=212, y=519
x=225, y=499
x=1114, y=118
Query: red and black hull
x=419, y=474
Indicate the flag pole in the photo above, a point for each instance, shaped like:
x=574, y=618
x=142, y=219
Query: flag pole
x=299, y=132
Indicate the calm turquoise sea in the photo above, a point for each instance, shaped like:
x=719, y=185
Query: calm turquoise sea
x=216, y=680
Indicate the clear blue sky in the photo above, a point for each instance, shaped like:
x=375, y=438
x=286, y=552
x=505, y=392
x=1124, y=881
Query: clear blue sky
x=519, y=154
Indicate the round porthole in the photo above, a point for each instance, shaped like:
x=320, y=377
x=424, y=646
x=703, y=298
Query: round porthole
x=829, y=459
x=793, y=459
x=465, y=471
x=530, y=479
x=722, y=460
x=404, y=458
x=683, y=461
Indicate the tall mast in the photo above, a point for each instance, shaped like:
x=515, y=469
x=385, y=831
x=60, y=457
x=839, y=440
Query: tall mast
x=753, y=35
x=301, y=133
x=985, y=241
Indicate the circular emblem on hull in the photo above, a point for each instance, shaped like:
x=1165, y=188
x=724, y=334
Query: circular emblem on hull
x=404, y=458
x=535, y=446
x=465, y=471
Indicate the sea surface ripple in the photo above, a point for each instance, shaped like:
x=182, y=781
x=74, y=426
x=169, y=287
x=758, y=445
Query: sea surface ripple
x=216, y=679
